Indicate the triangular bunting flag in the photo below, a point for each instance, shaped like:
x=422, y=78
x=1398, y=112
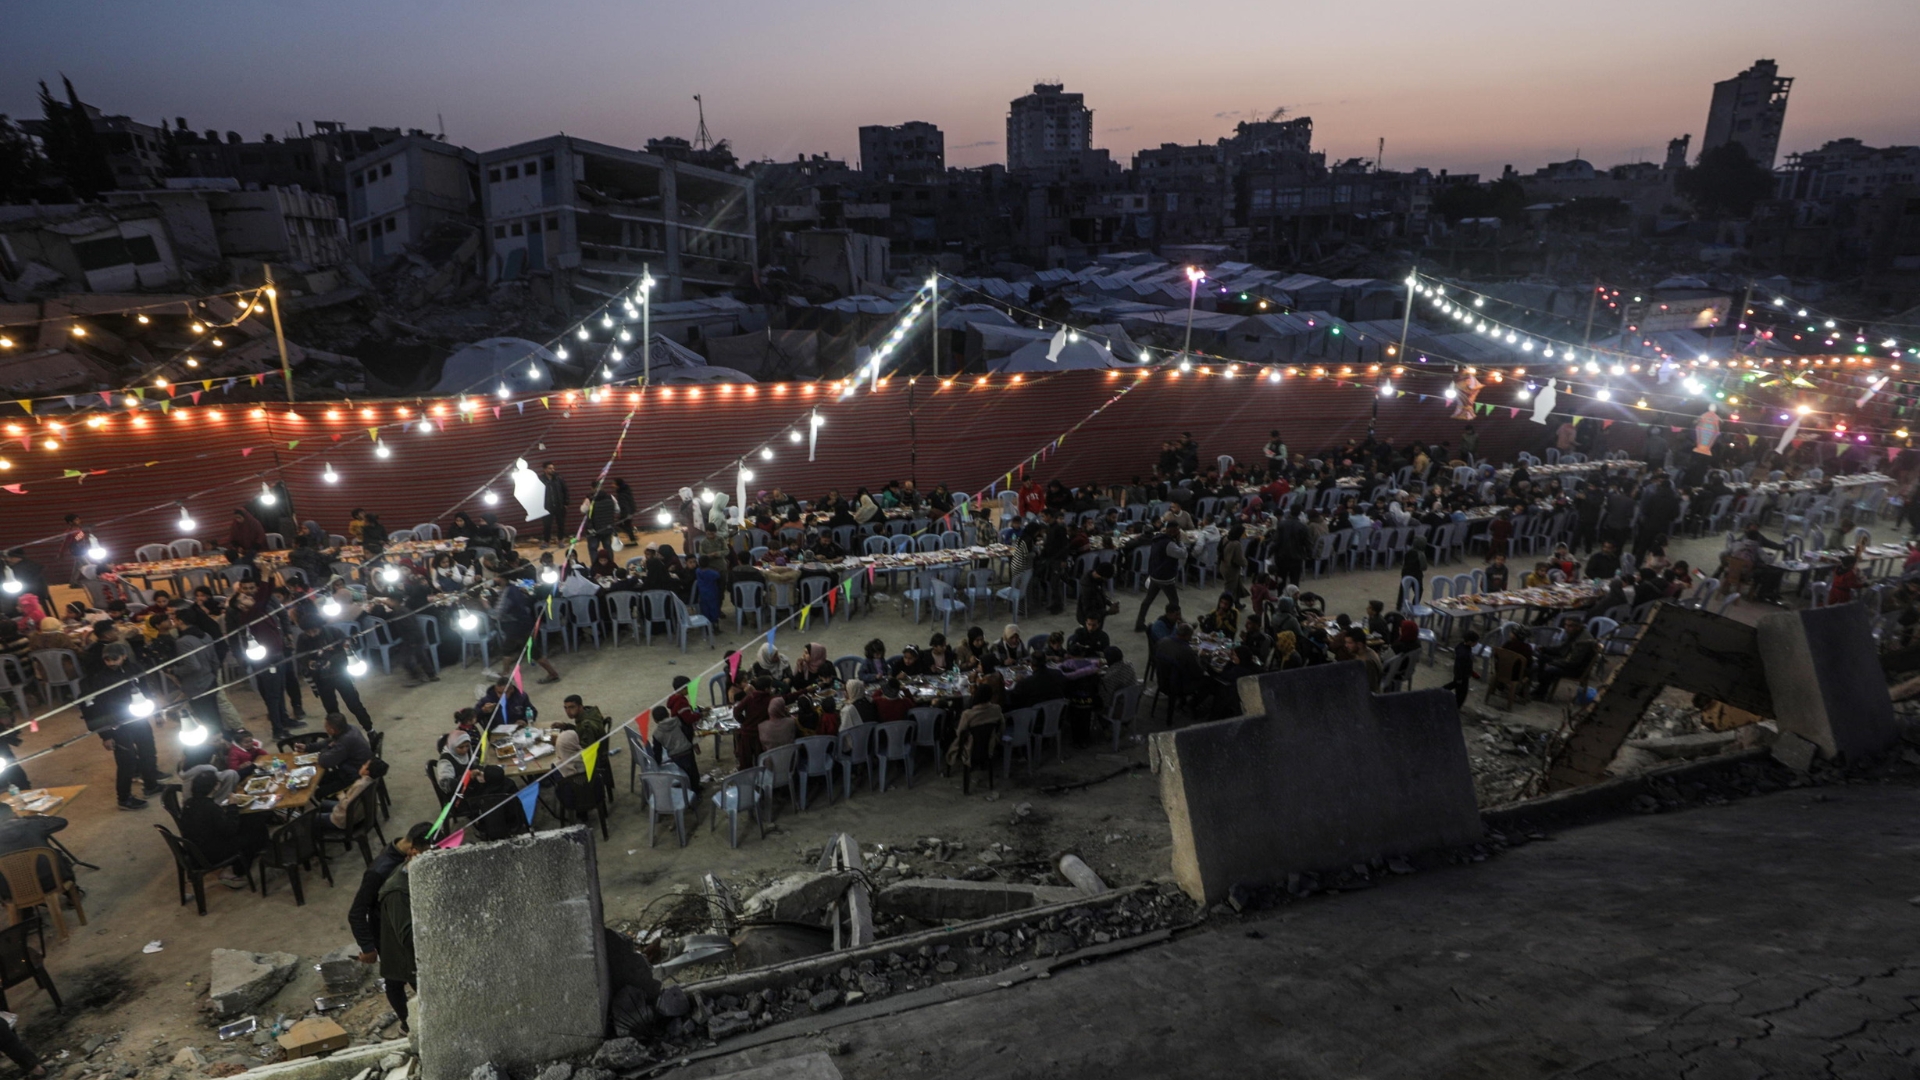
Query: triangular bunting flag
x=590, y=757
x=293, y=444
x=196, y=396
x=529, y=800
x=166, y=406
x=106, y=397
x=453, y=841
x=246, y=451
x=733, y=666
x=26, y=404
x=17, y=489
x=544, y=405
x=803, y=617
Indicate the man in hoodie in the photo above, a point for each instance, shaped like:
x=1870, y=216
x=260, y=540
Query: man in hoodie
x=603, y=520
x=393, y=903
x=108, y=712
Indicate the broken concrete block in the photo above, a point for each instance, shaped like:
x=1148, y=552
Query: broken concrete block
x=243, y=981
x=1794, y=752
x=673, y=1003
x=728, y=1024
x=342, y=970
x=620, y=1055
x=1323, y=773
x=801, y=897
x=530, y=906
x=952, y=900
x=559, y=1070
x=190, y=1057
x=1074, y=869
x=1824, y=672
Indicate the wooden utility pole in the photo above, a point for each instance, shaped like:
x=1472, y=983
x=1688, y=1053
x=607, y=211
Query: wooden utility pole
x=1593, y=299
x=279, y=334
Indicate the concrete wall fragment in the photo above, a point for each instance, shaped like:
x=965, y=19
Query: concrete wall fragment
x=1824, y=671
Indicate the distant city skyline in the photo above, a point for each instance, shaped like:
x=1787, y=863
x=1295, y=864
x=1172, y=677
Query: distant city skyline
x=1472, y=89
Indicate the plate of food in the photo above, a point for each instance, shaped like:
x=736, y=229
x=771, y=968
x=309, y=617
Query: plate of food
x=306, y=759
x=304, y=772
x=258, y=784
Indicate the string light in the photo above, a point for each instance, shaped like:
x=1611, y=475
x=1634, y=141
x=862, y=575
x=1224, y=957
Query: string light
x=468, y=620
x=95, y=551
x=766, y=453
x=140, y=705
x=10, y=584
x=330, y=608
x=192, y=731
x=664, y=518
x=490, y=499
x=381, y=449
x=330, y=476
x=267, y=497
x=356, y=665
x=187, y=524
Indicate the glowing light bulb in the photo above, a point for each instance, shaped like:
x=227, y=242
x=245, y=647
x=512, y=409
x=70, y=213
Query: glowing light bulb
x=198, y=327
x=256, y=651
x=747, y=475
x=1273, y=375
x=664, y=518
x=330, y=476
x=1450, y=393
x=766, y=453
x=192, y=732
x=582, y=334
x=140, y=705
x=187, y=524
x=706, y=496
x=468, y=620
x=549, y=576
x=793, y=436
x=490, y=498
x=95, y=550
x=390, y=574
x=331, y=609
x=1386, y=389
x=503, y=391
x=357, y=666
x=11, y=585
x=1603, y=394
x=382, y=450
x=267, y=497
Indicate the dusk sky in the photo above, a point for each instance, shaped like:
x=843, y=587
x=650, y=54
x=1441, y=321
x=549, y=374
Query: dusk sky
x=1467, y=85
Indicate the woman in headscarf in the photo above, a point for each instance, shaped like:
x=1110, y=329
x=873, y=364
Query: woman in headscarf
x=779, y=728
x=859, y=709
x=974, y=652
x=873, y=663
x=864, y=508
x=462, y=526
x=771, y=664
x=449, y=576
x=814, y=667
x=1010, y=649
x=52, y=635
x=245, y=537
x=1286, y=619
x=717, y=522
x=603, y=567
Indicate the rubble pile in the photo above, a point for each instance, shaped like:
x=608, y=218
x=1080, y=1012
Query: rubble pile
x=1508, y=759
x=687, y=1020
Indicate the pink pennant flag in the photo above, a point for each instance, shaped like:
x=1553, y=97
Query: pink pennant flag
x=246, y=451
x=106, y=397
x=453, y=841
x=17, y=489
x=1892, y=452
x=1512, y=412
x=733, y=666
x=195, y=396
x=496, y=412
x=517, y=684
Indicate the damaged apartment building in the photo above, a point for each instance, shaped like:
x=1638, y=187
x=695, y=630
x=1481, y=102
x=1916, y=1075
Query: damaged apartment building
x=579, y=220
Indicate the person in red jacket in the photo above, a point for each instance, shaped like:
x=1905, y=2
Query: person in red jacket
x=1033, y=498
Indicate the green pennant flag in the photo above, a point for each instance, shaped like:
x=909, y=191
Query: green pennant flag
x=71, y=473
x=293, y=444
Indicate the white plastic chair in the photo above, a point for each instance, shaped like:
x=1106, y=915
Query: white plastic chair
x=1049, y=727
x=1018, y=736
x=738, y=792
x=668, y=792
x=857, y=749
x=817, y=760
x=896, y=743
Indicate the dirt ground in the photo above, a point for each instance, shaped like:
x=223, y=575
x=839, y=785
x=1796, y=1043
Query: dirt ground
x=151, y=1004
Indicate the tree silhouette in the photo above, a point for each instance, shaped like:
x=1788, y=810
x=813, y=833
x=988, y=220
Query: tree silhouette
x=73, y=149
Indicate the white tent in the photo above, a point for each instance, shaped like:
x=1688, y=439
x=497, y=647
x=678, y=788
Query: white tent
x=524, y=366
x=670, y=361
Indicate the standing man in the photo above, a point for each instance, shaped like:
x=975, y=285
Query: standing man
x=514, y=612
x=322, y=649
x=1659, y=506
x=1164, y=560
x=108, y=712
x=252, y=619
x=1276, y=454
x=73, y=548
x=197, y=666
x=554, y=525
x=1292, y=547
x=32, y=578
x=395, y=904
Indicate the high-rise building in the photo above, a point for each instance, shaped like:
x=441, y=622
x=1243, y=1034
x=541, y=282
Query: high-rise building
x=1047, y=127
x=913, y=150
x=1749, y=109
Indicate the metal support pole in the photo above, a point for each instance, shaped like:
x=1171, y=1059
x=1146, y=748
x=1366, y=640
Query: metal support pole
x=279, y=335
x=1400, y=351
x=646, y=325
x=935, y=282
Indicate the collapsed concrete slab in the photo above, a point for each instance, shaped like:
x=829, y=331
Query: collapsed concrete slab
x=952, y=900
x=511, y=950
x=802, y=897
x=1824, y=671
x=243, y=981
x=1321, y=774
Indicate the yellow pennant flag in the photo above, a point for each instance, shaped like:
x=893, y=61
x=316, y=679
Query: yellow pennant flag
x=803, y=617
x=589, y=757
x=25, y=404
x=544, y=405
x=483, y=745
